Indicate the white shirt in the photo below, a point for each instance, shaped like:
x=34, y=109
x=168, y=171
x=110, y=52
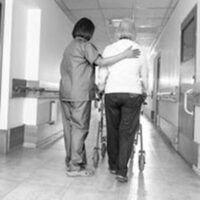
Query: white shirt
x=127, y=75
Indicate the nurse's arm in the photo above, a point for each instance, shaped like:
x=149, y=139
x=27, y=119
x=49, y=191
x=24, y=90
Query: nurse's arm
x=128, y=53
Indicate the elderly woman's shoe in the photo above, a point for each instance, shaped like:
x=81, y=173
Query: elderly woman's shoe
x=122, y=179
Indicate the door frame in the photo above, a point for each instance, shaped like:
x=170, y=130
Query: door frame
x=157, y=69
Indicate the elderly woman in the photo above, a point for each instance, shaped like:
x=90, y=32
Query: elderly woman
x=125, y=83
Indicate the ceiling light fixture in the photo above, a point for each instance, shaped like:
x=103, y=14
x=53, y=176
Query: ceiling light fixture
x=114, y=22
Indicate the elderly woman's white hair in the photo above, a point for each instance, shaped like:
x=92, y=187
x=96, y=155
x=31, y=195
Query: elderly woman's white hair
x=126, y=29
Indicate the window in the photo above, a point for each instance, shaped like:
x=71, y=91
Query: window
x=188, y=34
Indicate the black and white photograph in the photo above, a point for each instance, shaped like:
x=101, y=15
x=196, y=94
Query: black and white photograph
x=99, y=99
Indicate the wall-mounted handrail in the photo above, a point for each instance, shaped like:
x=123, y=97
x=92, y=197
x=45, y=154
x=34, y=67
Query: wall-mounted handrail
x=33, y=89
x=48, y=90
x=168, y=95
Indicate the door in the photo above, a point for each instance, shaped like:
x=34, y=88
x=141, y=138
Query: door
x=156, y=87
x=186, y=145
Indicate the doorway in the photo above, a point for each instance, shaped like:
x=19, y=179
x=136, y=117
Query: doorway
x=156, y=87
x=186, y=145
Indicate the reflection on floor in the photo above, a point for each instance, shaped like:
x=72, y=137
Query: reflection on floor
x=39, y=174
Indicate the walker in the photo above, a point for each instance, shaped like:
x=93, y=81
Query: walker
x=141, y=155
x=101, y=143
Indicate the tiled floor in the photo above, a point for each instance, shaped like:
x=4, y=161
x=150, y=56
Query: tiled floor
x=39, y=174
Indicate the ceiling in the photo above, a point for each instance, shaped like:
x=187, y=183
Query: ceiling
x=150, y=17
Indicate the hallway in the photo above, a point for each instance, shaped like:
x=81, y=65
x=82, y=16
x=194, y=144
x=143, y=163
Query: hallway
x=39, y=174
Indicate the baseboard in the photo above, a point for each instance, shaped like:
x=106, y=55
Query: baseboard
x=42, y=134
x=29, y=145
x=3, y=141
x=51, y=139
x=11, y=139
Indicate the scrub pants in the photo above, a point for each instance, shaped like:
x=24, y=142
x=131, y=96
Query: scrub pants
x=122, y=120
x=76, y=119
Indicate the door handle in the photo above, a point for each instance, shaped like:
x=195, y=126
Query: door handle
x=186, y=102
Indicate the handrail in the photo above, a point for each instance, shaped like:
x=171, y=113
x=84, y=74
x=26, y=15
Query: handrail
x=33, y=89
x=171, y=93
x=167, y=96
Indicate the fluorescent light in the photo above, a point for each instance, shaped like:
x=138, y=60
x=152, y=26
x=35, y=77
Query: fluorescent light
x=33, y=44
x=4, y=101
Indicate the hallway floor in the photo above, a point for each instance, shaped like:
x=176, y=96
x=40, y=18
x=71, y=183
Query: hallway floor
x=39, y=174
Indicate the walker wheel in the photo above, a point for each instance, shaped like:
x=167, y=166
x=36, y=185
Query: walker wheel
x=95, y=158
x=141, y=162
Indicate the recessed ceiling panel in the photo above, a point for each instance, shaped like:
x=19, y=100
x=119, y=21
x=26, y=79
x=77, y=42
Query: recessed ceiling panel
x=116, y=3
x=117, y=13
x=150, y=13
x=145, y=35
x=150, y=17
x=143, y=22
x=148, y=29
x=152, y=3
x=81, y=4
x=144, y=41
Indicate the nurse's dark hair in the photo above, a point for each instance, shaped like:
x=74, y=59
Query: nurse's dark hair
x=83, y=28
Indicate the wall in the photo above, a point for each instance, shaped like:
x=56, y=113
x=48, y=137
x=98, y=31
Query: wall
x=6, y=49
x=168, y=46
x=54, y=38
x=1, y=32
x=35, y=35
x=17, y=61
x=54, y=29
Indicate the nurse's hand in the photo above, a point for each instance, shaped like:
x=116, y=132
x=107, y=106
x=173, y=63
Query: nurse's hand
x=136, y=53
x=132, y=53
